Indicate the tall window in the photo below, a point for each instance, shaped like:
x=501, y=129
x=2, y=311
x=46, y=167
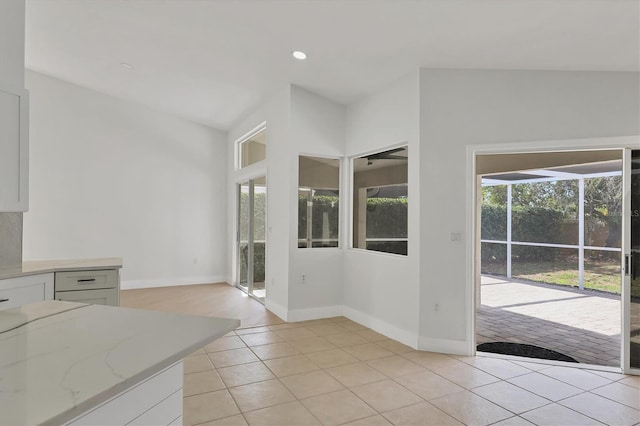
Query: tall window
x=318, y=202
x=380, y=202
x=253, y=149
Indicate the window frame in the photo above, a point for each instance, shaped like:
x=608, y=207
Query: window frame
x=262, y=127
x=351, y=189
x=341, y=200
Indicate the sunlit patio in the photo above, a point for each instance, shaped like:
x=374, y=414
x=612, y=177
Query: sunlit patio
x=584, y=325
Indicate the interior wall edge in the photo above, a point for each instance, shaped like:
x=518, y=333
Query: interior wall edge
x=406, y=337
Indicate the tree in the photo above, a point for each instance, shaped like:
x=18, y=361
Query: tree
x=556, y=195
x=602, y=202
x=603, y=206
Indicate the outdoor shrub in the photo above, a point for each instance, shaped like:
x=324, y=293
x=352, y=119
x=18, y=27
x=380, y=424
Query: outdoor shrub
x=321, y=204
x=494, y=223
x=529, y=224
x=387, y=217
x=259, y=212
x=258, y=262
x=494, y=258
x=536, y=224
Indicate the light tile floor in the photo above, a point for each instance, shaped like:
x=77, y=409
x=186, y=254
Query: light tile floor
x=335, y=371
x=584, y=325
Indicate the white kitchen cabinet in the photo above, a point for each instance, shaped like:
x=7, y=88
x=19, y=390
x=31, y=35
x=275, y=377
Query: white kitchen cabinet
x=156, y=401
x=107, y=296
x=14, y=149
x=97, y=287
x=15, y=292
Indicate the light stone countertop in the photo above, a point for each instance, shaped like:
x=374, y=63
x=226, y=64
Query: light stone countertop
x=60, y=359
x=34, y=267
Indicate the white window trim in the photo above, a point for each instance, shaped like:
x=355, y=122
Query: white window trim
x=349, y=218
x=341, y=199
x=238, y=143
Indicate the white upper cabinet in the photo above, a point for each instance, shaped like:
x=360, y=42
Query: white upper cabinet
x=14, y=149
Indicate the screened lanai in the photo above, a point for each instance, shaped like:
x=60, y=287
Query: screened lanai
x=550, y=259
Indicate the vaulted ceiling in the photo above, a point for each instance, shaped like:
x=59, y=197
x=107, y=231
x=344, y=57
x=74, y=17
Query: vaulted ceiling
x=214, y=61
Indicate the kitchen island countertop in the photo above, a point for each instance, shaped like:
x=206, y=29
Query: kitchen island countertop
x=60, y=359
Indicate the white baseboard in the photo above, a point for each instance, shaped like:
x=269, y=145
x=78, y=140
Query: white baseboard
x=455, y=347
x=277, y=309
x=380, y=326
x=403, y=336
x=170, y=282
x=445, y=346
x=314, y=313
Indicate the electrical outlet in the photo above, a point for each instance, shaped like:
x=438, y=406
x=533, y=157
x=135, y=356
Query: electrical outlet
x=303, y=279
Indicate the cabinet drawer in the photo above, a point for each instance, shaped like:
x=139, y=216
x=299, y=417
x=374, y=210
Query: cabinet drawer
x=16, y=292
x=105, y=296
x=86, y=280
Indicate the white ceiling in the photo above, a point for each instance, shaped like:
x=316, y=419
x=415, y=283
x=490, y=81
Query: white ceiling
x=213, y=61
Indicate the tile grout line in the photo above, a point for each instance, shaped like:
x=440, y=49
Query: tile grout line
x=366, y=362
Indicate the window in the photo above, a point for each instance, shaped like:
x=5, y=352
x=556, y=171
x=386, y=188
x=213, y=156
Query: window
x=253, y=149
x=380, y=201
x=318, y=202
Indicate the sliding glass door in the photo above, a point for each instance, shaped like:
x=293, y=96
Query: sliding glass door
x=251, y=237
x=631, y=267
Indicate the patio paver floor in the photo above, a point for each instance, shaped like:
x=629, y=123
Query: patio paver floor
x=584, y=325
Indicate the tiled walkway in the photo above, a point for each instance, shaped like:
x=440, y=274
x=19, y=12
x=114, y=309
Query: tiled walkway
x=582, y=324
x=335, y=371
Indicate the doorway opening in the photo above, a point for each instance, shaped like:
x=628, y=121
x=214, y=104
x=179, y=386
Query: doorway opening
x=251, y=237
x=550, y=248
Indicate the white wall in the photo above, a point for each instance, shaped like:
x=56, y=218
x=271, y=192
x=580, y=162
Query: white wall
x=382, y=290
x=298, y=122
x=317, y=128
x=12, y=13
x=466, y=107
x=113, y=178
x=277, y=167
x=438, y=113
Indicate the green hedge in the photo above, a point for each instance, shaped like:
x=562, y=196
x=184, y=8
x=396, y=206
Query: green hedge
x=387, y=217
x=258, y=262
x=528, y=224
x=321, y=204
x=542, y=225
x=494, y=223
x=259, y=213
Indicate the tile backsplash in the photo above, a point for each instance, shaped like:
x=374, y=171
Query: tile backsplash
x=10, y=240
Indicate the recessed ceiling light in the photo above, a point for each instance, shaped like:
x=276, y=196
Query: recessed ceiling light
x=299, y=54
x=126, y=65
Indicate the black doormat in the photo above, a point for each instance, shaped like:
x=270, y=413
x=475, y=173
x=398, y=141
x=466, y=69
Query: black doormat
x=520, y=349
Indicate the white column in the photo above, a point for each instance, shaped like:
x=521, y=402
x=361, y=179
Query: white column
x=509, y=202
x=581, y=233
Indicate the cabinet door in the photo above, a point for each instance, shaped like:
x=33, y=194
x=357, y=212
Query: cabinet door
x=94, y=297
x=19, y=291
x=14, y=150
